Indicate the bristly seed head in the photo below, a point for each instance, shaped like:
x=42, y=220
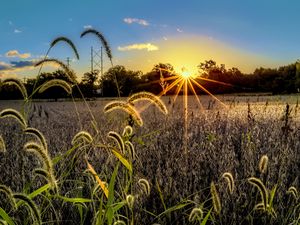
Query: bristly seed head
x=263, y=164
x=230, y=181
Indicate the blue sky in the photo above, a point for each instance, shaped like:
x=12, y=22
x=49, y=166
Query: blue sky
x=244, y=34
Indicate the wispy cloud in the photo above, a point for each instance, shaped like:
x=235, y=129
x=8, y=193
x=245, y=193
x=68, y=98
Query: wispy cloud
x=87, y=26
x=10, y=23
x=139, y=46
x=179, y=30
x=165, y=38
x=4, y=66
x=15, y=53
x=11, y=69
x=136, y=20
x=16, y=31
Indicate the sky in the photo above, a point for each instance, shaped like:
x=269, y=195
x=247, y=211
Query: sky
x=142, y=33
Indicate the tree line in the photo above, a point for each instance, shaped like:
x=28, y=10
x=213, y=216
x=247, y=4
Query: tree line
x=216, y=78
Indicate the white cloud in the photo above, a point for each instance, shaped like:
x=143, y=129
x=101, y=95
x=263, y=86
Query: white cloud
x=165, y=38
x=87, y=26
x=139, y=46
x=17, y=31
x=136, y=20
x=15, y=53
x=179, y=30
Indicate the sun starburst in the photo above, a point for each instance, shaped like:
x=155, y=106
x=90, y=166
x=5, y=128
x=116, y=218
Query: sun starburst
x=185, y=81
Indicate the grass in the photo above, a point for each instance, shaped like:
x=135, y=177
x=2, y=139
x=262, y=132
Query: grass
x=155, y=182
x=125, y=161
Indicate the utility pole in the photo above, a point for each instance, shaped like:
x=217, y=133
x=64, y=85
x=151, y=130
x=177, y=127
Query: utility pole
x=68, y=62
x=92, y=60
x=101, y=57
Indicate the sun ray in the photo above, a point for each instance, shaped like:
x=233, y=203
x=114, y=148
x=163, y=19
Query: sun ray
x=214, y=81
x=179, y=87
x=194, y=92
x=185, y=115
x=208, y=92
x=169, y=87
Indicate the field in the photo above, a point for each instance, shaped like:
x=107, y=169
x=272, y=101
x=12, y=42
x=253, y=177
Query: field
x=253, y=136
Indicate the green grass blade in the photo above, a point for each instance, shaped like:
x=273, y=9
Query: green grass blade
x=6, y=217
x=111, y=197
x=74, y=200
x=204, y=221
x=122, y=160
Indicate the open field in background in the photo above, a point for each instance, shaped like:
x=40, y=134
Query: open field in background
x=231, y=139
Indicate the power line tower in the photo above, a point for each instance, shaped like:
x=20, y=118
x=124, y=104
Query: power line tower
x=97, y=60
x=68, y=62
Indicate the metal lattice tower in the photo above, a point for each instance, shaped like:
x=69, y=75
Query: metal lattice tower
x=97, y=60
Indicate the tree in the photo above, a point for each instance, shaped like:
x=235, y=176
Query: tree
x=90, y=77
x=127, y=81
x=156, y=80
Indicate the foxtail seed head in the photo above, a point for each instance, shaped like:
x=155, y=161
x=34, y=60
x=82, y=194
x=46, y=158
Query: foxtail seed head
x=82, y=136
x=35, y=213
x=18, y=84
x=150, y=97
x=14, y=114
x=2, y=145
x=66, y=40
x=230, y=181
x=215, y=198
x=125, y=107
x=263, y=164
x=56, y=83
x=294, y=192
x=262, y=190
x=130, y=201
x=144, y=186
x=196, y=215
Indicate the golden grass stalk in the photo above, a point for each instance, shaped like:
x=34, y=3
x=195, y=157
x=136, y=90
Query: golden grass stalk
x=31, y=205
x=145, y=186
x=35, y=132
x=66, y=40
x=102, y=39
x=2, y=145
x=82, y=136
x=263, y=164
x=150, y=97
x=56, y=83
x=215, y=198
x=262, y=190
x=118, y=139
x=42, y=154
x=130, y=201
x=18, y=84
x=69, y=72
x=14, y=114
x=99, y=181
x=195, y=215
x=230, y=181
x=294, y=192
x=8, y=192
x=114, y=105
x=127, y=131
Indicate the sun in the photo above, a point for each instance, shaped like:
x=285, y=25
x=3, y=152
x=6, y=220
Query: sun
x=185, y=73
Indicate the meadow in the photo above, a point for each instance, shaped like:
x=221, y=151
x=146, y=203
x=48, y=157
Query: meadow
x=239, y=164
